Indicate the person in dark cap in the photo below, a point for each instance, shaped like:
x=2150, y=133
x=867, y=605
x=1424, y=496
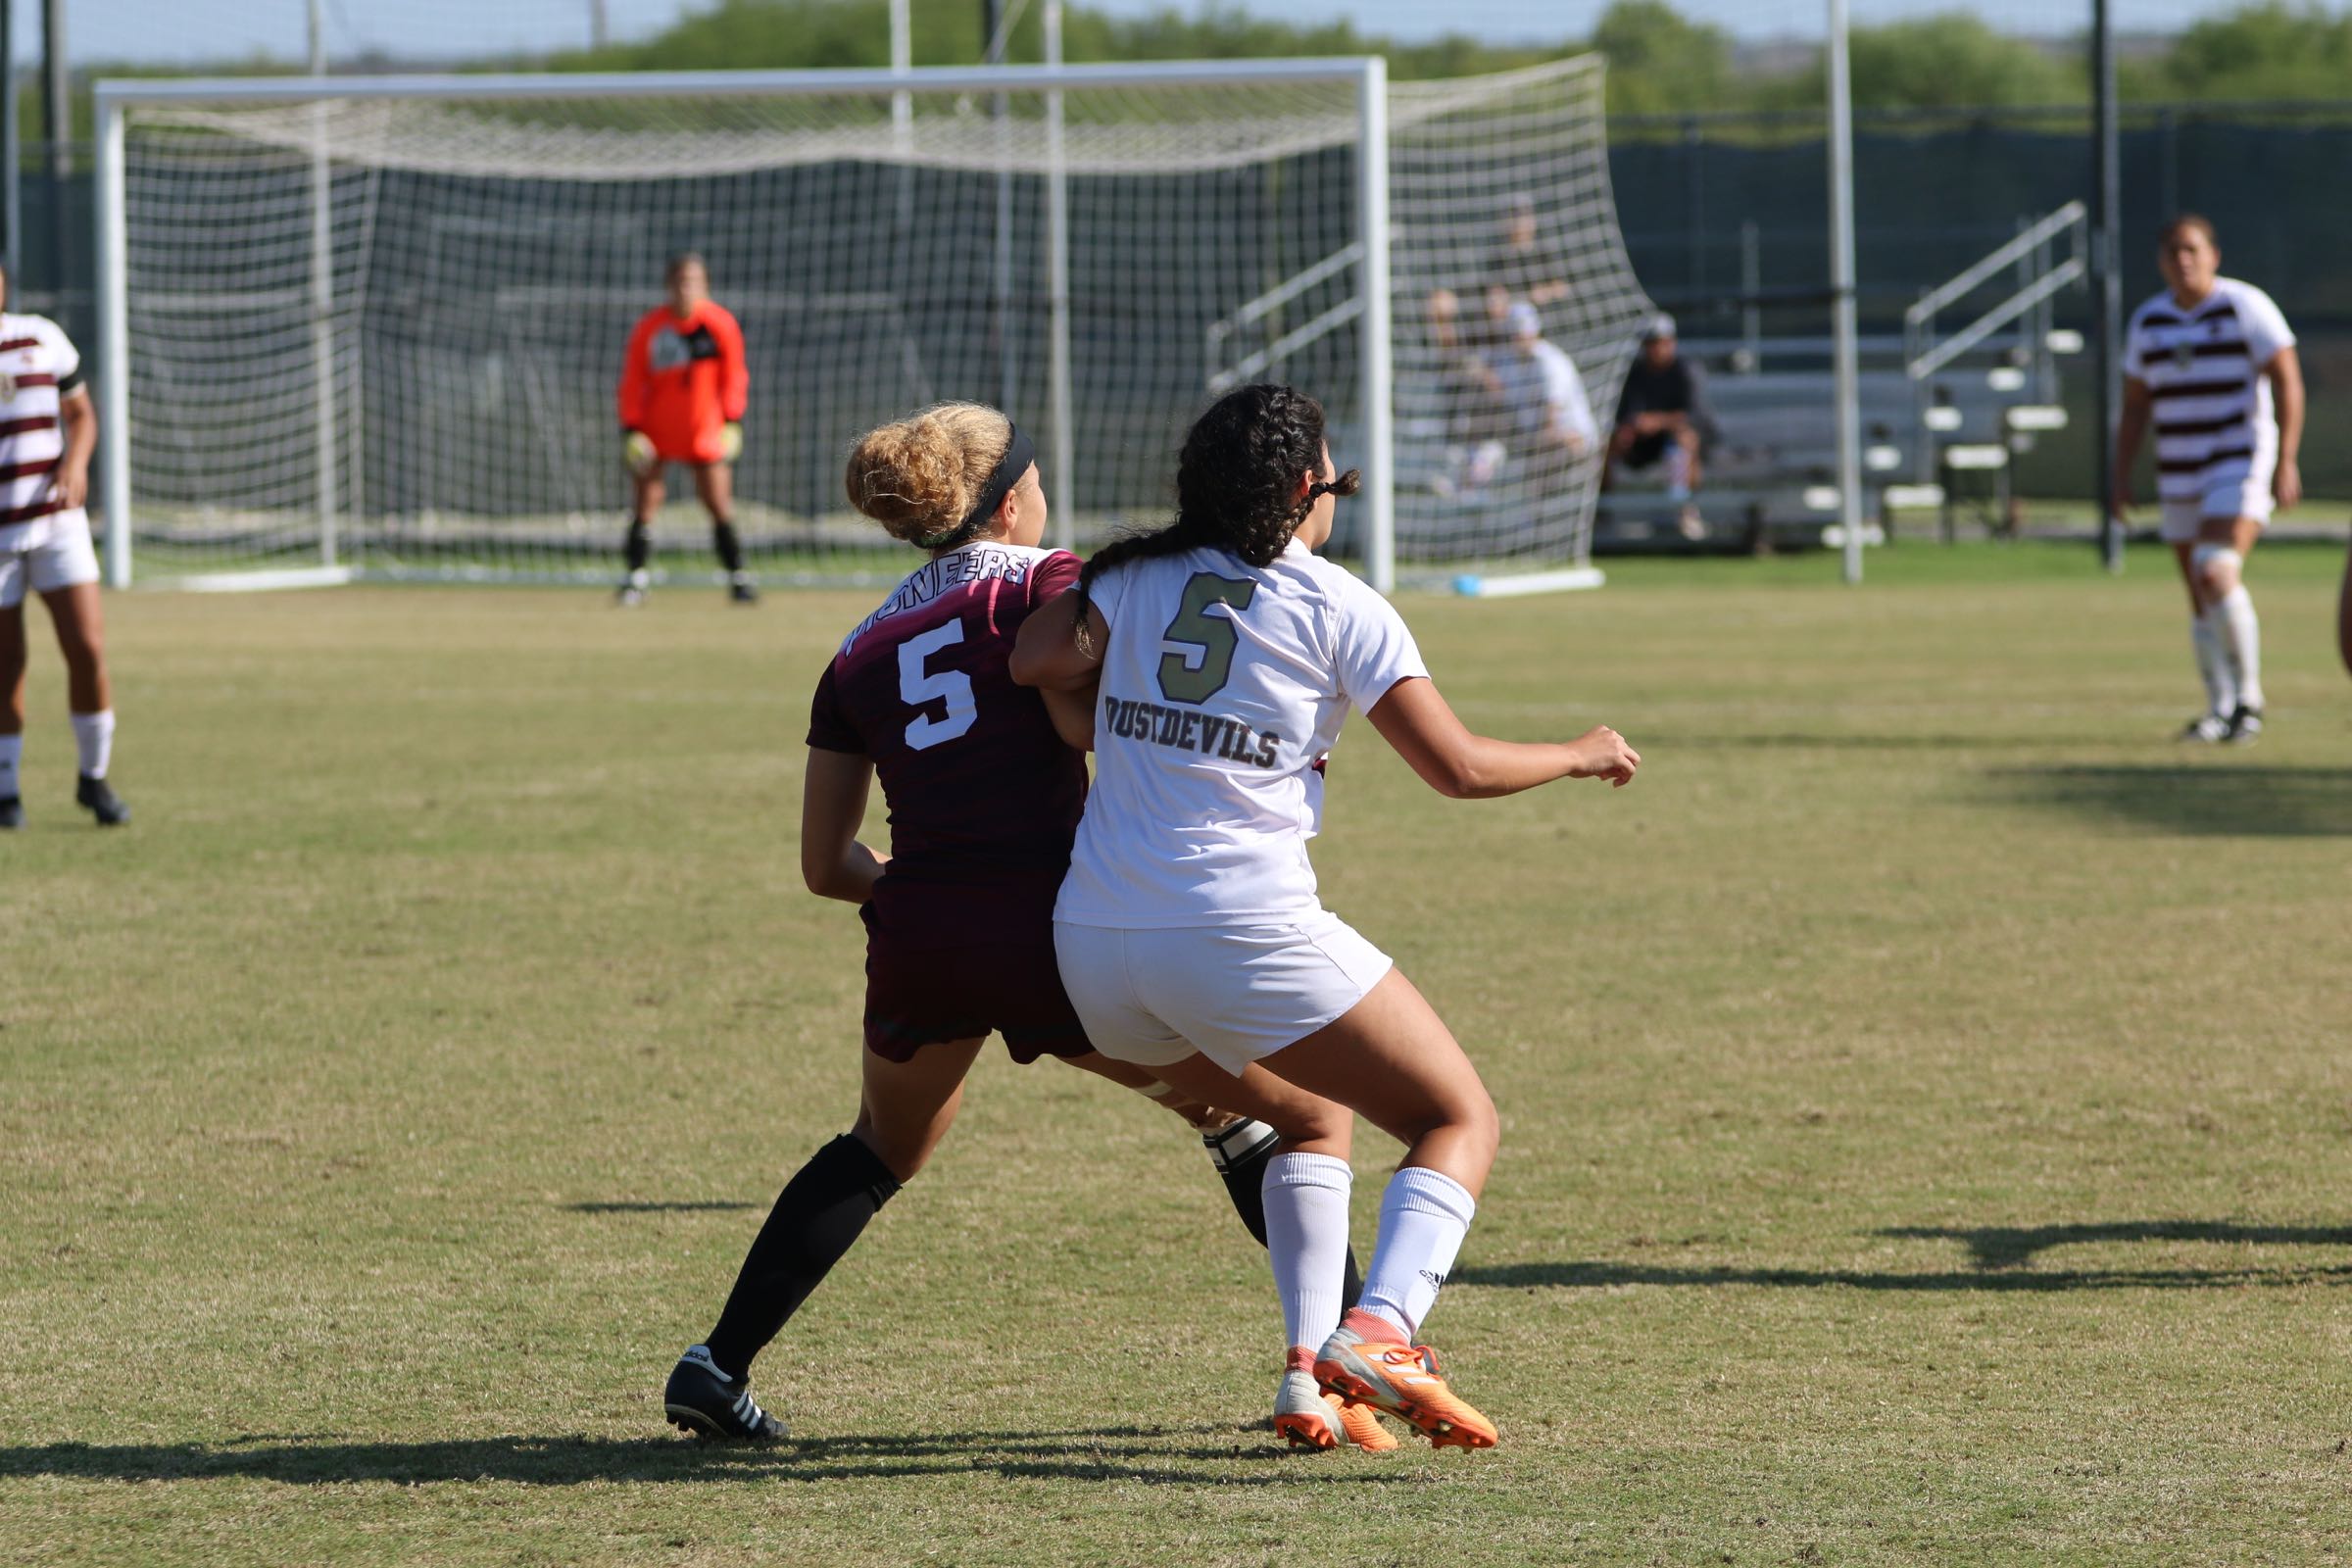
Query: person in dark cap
x=1662, y=413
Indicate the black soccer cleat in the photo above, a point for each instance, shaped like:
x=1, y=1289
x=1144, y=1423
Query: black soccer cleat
x=705, y=1402
x=740, y=590
x=2206, y=730
x=12, y=812
x=2245, y=726
x=103, y=803
x=1237, y=1143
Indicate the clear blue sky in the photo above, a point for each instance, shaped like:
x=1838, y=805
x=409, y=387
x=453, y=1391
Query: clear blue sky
x=165, y=31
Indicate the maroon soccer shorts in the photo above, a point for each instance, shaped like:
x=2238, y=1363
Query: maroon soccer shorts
x=925, y=985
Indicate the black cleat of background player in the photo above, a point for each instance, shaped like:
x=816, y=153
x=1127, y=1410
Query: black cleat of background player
x=740, y=592
x=12, y=812
x=705, y=1402
x=102, y=801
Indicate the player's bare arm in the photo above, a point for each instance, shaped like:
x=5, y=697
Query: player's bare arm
x=2284, y=372
x=1415, y=718
x=833, y=864
x=2131, y=428
x=1052, y=652
x=79, y=415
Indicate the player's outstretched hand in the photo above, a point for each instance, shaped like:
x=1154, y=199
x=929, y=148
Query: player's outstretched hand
x=730, y=441
x=1601, y=753
x=637, y=451
x=72, y=484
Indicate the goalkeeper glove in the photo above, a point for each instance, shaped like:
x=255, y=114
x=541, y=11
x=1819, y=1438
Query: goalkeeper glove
x=638, y=452
x=730, y=441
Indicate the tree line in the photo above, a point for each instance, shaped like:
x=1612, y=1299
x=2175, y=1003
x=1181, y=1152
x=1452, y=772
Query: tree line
x=1660, y=61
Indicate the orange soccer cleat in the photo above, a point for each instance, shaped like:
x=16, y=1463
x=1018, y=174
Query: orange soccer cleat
x=1404, y=1381
x=1308, y=1418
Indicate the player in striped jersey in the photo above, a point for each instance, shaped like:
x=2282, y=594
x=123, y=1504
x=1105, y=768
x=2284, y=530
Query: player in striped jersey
x=48, y=429
x=984, y=800
x=2209, y=365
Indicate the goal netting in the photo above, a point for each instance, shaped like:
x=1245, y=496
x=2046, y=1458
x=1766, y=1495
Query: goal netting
x=374, y=327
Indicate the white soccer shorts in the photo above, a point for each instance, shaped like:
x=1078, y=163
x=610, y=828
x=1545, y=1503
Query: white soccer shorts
x=2240, y=488
x=60, y=555
x=1236, y=994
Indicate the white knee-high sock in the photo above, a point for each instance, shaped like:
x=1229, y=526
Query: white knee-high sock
x=2242, y=640
x=94, y=741
x=1307, y=1242
x=2213, y=665
x=1423, y=1217
x=11, y=754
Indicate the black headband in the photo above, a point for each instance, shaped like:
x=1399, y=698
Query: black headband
x=1017, y=459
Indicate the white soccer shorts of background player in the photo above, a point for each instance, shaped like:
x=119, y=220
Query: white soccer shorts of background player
x=372, y=326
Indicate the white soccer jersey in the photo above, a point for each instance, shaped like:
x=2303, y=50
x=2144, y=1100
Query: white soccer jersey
x=1223, y=686
x=2210, y=405
x=37, y=366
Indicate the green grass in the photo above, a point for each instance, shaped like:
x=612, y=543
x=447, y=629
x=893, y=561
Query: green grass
x=1928, y=1123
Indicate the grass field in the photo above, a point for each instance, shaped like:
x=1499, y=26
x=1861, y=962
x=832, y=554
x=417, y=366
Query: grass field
x=1927, y=1111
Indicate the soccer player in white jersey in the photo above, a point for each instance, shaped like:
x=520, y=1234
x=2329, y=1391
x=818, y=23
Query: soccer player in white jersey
x=1219, y=657
x=48, y=429
x=2210, y=363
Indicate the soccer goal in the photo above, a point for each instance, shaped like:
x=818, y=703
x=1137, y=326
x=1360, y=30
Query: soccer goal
x=370, y=326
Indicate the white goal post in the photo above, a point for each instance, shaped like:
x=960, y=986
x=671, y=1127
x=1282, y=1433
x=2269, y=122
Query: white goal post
x=369, y=326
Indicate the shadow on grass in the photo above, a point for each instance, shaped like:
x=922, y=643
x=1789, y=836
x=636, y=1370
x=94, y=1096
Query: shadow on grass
x=1999, y=1255
x=1106, y=1453
x=2218, y=799
x=2013, y=1246
x=702, y=1206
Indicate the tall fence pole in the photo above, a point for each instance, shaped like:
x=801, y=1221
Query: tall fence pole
x=1378, y=406
x=2107, y=293
x=114, y=344
x=1058, y=297
x=1842, y=288
x=55, y=127
x=12, y=210
x=323, y=298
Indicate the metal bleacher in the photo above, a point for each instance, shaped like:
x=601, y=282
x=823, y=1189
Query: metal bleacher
x=1942, y=412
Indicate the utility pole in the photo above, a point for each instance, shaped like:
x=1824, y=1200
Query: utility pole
x=2107, y=299
x=600, y=26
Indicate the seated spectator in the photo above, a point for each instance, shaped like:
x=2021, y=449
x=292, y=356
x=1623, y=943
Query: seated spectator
x=1662, y=413
x=1540, y=396
x=1529, y=408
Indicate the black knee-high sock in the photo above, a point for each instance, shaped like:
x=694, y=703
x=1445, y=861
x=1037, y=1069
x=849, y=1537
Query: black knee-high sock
x=1245, y=1184
x=823, y=1208
x=729, y=548
x=639, y=547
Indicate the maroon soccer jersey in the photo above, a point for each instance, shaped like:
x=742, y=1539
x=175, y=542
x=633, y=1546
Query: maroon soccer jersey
x=982, y=793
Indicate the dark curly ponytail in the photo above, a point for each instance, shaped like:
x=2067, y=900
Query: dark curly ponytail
x=1237, y=482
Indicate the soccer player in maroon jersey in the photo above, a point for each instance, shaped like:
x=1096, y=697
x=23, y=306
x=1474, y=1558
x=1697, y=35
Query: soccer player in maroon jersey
x=984, y=802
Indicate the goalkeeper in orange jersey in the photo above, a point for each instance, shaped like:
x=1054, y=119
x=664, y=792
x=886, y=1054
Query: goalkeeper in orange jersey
x=682, y=390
